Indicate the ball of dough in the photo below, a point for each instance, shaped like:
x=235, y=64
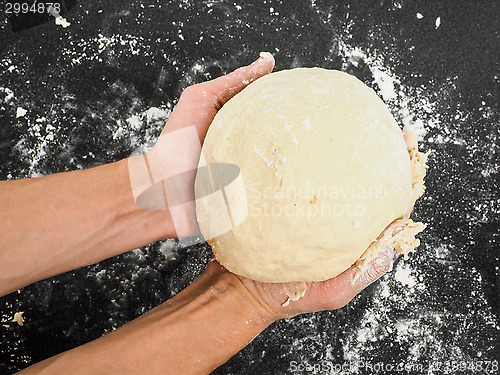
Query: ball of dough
x=323, y=167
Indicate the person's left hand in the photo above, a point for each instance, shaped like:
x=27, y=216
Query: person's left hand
x=330, y=294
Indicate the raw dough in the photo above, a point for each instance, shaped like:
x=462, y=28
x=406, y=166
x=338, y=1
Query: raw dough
x=325, y=168
x=18, y=318
x=400, y=234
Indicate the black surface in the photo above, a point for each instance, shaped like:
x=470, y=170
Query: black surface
x=120, y=59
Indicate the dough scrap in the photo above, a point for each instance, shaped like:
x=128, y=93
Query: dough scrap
x=18, y=318
x=400, y=236
x=418, y=163
x=294, y=293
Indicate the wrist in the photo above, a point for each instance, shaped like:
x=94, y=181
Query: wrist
x=207, y=323
x=154, y=224
x=219, y=289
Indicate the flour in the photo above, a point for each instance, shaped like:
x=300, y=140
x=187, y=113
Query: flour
x=20, y=112
x=33, y=145
x=101, y=48
x=44, y=133
x=155, y=114
x=8, y=94
x=403, y=275
x=438, y=22
x=134, y=121
x=419, y=332
x=410, y=106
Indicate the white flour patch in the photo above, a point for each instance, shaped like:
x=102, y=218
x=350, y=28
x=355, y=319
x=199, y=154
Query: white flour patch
x=101, y=48
x=142, y=129
x=8, y=94
x=403, y=276
x=418, y=333
x=44, y=132
x=169, y=249
x=33, y=146
x=438, y=22
x=20, y=112
x=410, y=106
x=155, y=114
x=134, y=121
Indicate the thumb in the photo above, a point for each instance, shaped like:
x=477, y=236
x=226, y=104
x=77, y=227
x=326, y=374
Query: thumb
x=340, y=290
x=376, y=268
x=225, y=87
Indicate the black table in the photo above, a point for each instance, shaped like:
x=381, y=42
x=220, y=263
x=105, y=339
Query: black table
x=104, y=85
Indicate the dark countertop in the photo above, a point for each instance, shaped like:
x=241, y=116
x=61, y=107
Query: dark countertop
x=96, y=90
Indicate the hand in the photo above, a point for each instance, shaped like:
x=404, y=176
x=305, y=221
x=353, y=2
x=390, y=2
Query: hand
x=164, y=178
x=330, y=294
x=196, y=109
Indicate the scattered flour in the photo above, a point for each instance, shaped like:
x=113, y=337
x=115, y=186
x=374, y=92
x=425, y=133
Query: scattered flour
x=8, y=94
x=61, y=21
x=409, y=105
x=44, y=132
x=438, y=22
x=403, y=275
x=418, y=335
x=21, y=112
x=102, y=48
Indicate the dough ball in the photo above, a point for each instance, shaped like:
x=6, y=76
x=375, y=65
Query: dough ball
x=323, y=170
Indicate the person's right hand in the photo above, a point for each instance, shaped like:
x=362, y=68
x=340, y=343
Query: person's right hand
x=163, y=179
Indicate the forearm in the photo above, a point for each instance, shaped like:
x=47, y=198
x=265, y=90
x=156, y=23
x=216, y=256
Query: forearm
x=193, y=333
x=60, y=222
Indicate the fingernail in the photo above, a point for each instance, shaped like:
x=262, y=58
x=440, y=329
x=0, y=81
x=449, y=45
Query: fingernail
x=264, y=56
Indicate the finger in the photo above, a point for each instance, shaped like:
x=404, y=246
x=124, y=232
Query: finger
x=375, y=269
x=199, y=103
x=225, y=87
x=409, y=137
x=340, y=290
